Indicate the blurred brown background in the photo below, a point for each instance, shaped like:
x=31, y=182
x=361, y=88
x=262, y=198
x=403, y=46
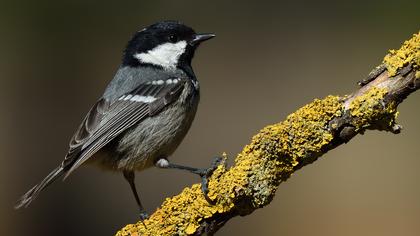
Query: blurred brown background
x=269, y=58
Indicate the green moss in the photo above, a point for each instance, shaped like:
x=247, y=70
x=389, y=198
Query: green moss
x=408, y=53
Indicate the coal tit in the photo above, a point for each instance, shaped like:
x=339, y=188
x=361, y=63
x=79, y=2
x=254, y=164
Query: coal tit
x=144, y=113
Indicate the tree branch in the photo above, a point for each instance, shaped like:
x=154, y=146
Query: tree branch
x=279, y=150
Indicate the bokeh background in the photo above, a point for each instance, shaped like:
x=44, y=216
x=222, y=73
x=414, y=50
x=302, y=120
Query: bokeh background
x=269, y=58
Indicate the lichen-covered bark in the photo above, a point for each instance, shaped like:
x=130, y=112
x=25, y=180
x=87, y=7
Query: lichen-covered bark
x=279, y=150
x=409, y=53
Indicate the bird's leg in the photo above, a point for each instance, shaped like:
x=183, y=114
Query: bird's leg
x=204, y=173
x=129, y=176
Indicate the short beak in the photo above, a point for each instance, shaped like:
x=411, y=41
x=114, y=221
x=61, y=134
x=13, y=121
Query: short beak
x=198, y=38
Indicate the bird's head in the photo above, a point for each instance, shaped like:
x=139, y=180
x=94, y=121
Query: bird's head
x=166, y=44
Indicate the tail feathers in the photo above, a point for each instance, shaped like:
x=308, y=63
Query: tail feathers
x=28, y=197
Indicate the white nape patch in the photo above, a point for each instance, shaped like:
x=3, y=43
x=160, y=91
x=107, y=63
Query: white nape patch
x=165, y=55
x=138, y=98
x=162, y=163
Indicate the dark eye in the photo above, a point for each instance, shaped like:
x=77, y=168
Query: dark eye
x=173, y=38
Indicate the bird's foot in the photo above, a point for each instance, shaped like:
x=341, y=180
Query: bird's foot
x=205, y=174
x=143, y=216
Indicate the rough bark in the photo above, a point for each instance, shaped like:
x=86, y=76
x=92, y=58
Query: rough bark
x=279, y=150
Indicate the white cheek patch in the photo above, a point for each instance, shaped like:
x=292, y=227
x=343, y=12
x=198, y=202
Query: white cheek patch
x=165, y=55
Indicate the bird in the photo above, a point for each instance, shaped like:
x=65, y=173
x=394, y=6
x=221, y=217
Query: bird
x=144, y=113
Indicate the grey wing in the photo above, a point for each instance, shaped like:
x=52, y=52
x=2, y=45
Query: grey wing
x=106, y=120
x=86, y=128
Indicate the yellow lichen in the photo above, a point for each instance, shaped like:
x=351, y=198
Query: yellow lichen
x=408, y=53
x=363, y=107
x=181, y=214
x=191, y=229
x=273, y=155
x=369, y=107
